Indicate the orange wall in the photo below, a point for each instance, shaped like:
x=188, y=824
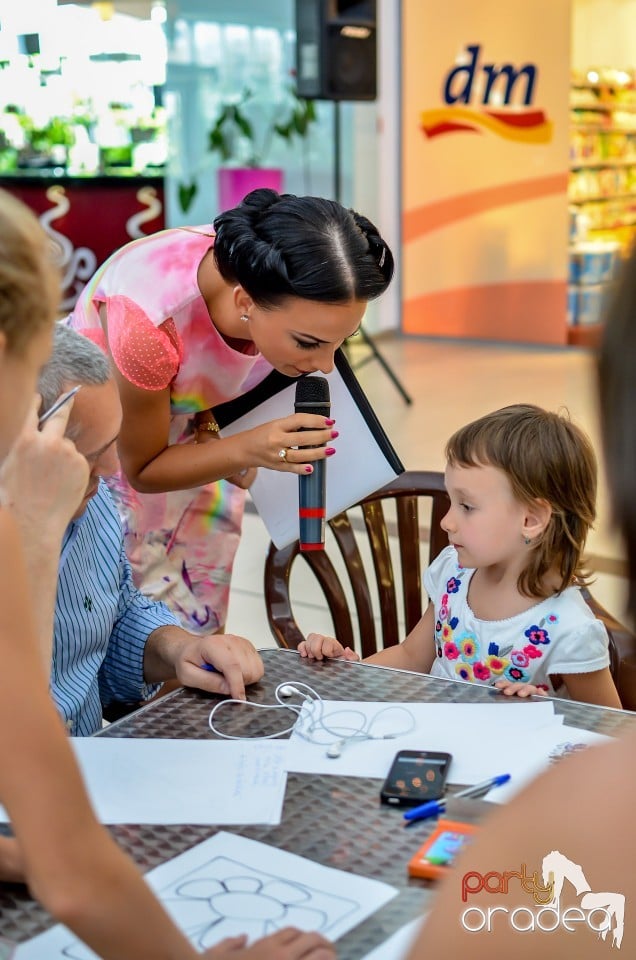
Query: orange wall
x=484, y=181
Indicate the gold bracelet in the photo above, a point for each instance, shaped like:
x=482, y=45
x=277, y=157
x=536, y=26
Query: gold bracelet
x=210, y=425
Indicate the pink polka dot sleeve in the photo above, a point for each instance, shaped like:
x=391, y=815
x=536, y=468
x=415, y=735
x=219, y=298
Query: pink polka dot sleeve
x=146, y=355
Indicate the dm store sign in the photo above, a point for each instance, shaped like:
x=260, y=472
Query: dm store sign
x=497, y=98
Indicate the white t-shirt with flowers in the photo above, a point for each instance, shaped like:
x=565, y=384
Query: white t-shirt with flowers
x=559, y=635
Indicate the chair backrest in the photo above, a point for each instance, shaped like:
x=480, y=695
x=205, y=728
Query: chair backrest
x=373, y=587
x=622, y=651
x=415, y=495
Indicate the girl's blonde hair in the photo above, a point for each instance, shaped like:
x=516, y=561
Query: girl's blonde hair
x=29, y=280
x=545, y=457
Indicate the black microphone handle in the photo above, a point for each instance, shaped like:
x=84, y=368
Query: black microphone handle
x=312, y=488
x=312, y=496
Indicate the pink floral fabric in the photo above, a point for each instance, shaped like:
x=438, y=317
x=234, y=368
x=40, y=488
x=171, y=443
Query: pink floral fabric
x=156, y=325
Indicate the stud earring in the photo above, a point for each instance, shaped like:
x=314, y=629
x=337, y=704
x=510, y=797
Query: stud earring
x=244, y=317
x=527, y=541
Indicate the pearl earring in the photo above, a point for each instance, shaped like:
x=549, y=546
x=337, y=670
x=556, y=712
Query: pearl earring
x=244, y=317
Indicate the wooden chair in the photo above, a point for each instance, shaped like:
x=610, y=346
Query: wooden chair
x=622, y=651
x=406, y=494
x=419, y=501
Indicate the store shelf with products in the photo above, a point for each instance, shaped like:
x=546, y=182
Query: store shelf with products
x=601, y=192
x=603, y=149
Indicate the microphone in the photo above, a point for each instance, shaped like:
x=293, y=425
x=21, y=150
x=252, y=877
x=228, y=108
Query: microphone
x=312, y=396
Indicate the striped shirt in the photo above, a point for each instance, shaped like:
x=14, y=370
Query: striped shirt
x=102, y=622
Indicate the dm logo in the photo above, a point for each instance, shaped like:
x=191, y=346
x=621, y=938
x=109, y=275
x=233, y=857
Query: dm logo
x=486, y=96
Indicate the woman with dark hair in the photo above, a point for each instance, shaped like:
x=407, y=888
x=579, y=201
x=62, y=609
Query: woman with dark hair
x=193, y=318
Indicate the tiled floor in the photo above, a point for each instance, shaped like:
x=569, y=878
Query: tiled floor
x=451, y=383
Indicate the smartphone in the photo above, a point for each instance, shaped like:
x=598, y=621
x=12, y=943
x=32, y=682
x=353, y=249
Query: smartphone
x=438, y=853
x=415, y=777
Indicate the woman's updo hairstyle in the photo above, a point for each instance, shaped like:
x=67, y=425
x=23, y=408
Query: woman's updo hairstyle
x=278, y=246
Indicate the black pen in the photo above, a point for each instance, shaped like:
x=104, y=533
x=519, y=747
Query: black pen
x=64, y=398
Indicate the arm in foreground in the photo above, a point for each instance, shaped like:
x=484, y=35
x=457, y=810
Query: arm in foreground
x=153, y=465
x=69, y=860
x=567, y=808
x=42, y=482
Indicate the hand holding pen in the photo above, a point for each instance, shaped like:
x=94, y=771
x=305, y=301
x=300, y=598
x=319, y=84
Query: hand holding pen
x=44, y=478
x=432, y=808
x=60, y=402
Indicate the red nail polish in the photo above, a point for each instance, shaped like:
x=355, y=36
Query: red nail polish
x=330, y=423
x=329, y=451
x=334, y=434
x=309, y=468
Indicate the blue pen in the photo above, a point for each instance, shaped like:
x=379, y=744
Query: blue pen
x=434, y=807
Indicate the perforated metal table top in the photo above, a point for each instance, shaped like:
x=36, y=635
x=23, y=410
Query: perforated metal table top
x=337, y=821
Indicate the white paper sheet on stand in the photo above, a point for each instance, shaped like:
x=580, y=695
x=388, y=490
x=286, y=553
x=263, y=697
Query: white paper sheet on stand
x=207, y=782
x=482, y=738
x=275, y=494
x=230, y=885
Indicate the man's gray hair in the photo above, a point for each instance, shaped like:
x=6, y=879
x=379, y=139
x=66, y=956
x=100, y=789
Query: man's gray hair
x=74, y=359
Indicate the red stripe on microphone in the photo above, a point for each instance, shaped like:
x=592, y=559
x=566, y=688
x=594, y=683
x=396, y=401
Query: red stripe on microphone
x=311, y=546
x=310, y=513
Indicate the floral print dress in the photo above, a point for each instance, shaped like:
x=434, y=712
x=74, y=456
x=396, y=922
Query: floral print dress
x=559, y=635
x=181, y=544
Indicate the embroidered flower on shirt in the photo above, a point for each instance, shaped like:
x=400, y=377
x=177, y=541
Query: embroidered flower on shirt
x=516, y=674
x=520, y=658
x=481, y=671
x=447, y=632
x=532, y=652
x=469, y=647
x=453, y=585
x=537, y=634
x=464, y=671
x=450, y=651
x=496, y=665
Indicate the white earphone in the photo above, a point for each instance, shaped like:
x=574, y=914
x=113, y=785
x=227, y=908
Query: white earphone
x=310, y=721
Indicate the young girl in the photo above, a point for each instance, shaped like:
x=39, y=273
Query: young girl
x=504, y=606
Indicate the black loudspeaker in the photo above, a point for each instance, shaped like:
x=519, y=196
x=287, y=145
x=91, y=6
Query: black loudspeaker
x=29, y=43
x=336, y=56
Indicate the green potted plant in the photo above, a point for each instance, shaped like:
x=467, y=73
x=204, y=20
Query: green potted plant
x=243, y=150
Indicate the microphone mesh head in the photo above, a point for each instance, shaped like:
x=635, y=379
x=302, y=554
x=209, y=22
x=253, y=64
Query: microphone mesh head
x=312, y=390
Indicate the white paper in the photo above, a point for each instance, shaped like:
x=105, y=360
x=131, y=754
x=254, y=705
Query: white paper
x=358, y=468
x=398, y=944
x=547, y=746
x=230, y=885
x=207, y=782
x=483, y=739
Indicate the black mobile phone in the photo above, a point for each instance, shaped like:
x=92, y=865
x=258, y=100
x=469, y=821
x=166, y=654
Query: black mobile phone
x=415, y=777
